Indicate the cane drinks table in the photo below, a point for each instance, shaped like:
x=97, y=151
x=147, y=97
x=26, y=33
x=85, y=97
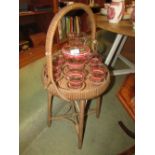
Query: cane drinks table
x=59, y=86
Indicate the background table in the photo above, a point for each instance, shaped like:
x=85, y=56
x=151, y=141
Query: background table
x=123, y=30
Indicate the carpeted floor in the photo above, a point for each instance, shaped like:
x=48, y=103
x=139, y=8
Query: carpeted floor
x=103, y=136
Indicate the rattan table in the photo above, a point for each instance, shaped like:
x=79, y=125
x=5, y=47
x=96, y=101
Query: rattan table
x=123, y=29
x=76, y=97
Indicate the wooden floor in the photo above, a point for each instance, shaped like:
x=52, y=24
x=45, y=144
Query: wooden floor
x=33, y=54
x=126, y=95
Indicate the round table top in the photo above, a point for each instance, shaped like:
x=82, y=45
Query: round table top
x=88, y=90
x=124, y=27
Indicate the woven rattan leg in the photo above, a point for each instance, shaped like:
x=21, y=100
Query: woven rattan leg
x=81, y=123
x=49, y=109
x=98, y=106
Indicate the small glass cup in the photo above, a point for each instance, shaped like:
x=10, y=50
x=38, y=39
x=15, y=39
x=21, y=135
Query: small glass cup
x=75, y=79
x=78, y=64
x=57, y=64
x=76, y=39
x=98, y=74
x=95, y=60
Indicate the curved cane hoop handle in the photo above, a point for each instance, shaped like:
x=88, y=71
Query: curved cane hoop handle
x=51, y=31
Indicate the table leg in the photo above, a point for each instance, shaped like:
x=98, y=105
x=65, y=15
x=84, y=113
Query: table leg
x=81, y=123
x=49, y=109
x=119, y=50
x=131, y=66
x=122, y=71
x=113, y=49
x=98, y=106
x=114, y=54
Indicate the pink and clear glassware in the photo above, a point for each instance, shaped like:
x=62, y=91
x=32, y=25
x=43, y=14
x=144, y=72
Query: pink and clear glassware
x=116, y=11
x=75, y=79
